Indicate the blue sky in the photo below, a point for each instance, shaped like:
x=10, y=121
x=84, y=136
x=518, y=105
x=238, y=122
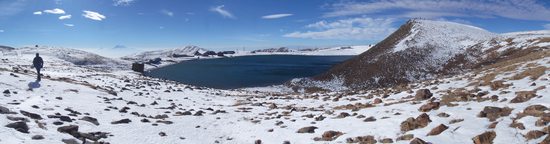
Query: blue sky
x=253, y=24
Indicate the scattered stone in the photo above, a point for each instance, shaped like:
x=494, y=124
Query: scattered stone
x=343, y=115
x=534, y=134
x=535, y=110
x=122, y=121
x=145, y=120
x=4, y=110
x=523, y=96
x=90, y=119
x=492, y=113
x=37, y=137
x=485, y=138
x=70, y=141
x=443, y=115
x=329, y=136
x=411, y=123
x=57, y=123
x=455, y=121
x=165, y=122
x=492, y=125
x=369, y=119
x=418, y=141
x=377, y=101
x=31, y=115
x=62, y=118
x=6, y=92
x=70, y=129
x=362, y=139
x=198, y=113
x=162, y=134
x=517, y=125
x=422, y=94
x=258, y=142
x=438, y=130
x=405, y=137
x=19, y=126
x=17, y=119
x=386, y=140
x=429, y=106
x=309, y=129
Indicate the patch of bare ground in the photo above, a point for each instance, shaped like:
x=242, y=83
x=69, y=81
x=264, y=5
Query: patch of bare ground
x=532, y=73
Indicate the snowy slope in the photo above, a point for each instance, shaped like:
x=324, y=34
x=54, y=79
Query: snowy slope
x=158, y=109
x=166, y=54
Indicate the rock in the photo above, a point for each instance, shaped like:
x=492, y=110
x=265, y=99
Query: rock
x=535, y=110
x=31, y=115
x=198, y=113
x=343, y=115
x=485, y=138
x=145, y=120
x=309, y=129
x=429, y=106
x=258, y=142
x=37, y=137
x=377, y=101
x=90, y=119
x=272, y=106
x=165, y=122
x=329, y=136
x=70, y=141
x=386, y=140
x=122, y=121
x=411, y=123
x=453, y=121
x=422, y=94
x=286, y=142
x=62, y=118
x=70, y=129
x=534, y=134
x=418, y=141
x=492, y=113
x=443, y=115
x=370, y=119
x=492, y=125
x=6, y=92
x=162, y=134
x=546, y=140
x=405, y=137
x=523, y=96
x=17, y=119
x=320, y=118
x=57, y=123
x=438, y=130
x=362, y=139
x=19, y=126
x=517, y=125
x=4, y=110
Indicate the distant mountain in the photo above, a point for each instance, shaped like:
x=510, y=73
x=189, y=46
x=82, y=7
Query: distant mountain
x=5, y=48
x=73, y=56
x=273, y=50
x=166, y=54
x=425, y=49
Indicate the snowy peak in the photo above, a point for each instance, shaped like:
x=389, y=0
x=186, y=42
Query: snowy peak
x=450, y=36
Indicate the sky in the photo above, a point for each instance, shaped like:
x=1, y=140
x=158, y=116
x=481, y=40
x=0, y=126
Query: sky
x=245, y=24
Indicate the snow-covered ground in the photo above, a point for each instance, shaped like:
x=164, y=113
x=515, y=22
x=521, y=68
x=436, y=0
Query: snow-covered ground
x=167, y=112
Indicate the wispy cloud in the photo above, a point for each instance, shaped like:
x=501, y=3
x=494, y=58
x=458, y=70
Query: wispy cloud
x=275, y=16
x=547, y=26
x=122, y=2
x=37, y=13
x=513, y=9
x=93, y=15
x=1, y=31
x=65, y=17
x=223, y=12
x=167, y=12
x=69, y=25
x=362, y=28
x=55, y=11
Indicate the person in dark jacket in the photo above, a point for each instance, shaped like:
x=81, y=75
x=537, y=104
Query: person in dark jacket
x=38, y=63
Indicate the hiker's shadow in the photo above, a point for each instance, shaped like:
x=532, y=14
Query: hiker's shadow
x=34, y=84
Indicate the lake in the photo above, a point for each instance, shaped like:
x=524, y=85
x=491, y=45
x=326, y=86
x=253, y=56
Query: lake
x=246, y=71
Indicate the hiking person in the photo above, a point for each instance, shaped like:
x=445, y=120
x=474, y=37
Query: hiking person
x=38, y=63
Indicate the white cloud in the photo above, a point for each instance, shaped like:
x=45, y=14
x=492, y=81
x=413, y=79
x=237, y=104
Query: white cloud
x=93, y=15
x=513, y=9
x=1, y=31
x=37, y=13
x=167, y=12
x=122, y=2
x=55, y=11
x=69, y=25
x=276, y=16
x=362, y=28
x=547, y=26
x=65, y=17
x=221, y=11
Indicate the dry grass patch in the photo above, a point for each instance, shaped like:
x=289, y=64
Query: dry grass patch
x=533, y=73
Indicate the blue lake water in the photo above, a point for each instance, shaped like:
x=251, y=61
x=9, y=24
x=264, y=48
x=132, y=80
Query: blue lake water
x=246, y=71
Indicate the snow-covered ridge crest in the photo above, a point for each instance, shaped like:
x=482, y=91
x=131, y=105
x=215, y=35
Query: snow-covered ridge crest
x=186, y=50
